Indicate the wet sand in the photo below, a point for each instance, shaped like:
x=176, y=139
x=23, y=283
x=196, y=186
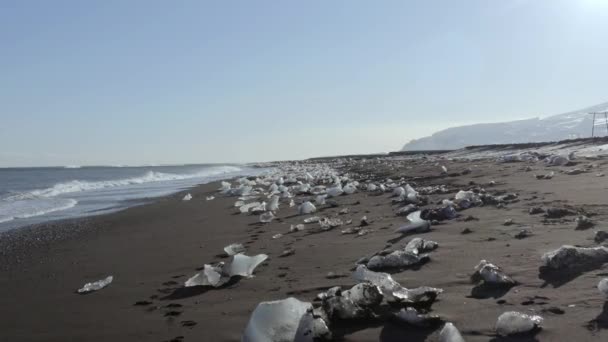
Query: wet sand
x=152, y=249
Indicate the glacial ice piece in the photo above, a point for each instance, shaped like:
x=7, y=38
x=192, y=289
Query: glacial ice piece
x=243, y=265
x=416, y=225
x=273, y=188
x=602, y=286
x=398, y=192
x=245, y=208
x=466, y=199
x=491, y=274
x=329, y=223
x=210, y=276
x=277, y=236
x=296, y=227
x=292, y=204
x=513, y=322
x=187, y=197
x=335, y=191
x=371, y=187
x=96, y=285
x=392, y=290
x=349, y=189
x=306, y=208
x=449, y=333
x=267, y=217
x=408, y=209
x=274, y=203
x=545, y=176
x=444, y=169
x=355, y=303
x=413, y=317
x=312, y=219
x=417, y=245
x=287, y=320
x=570, y=257
x=557, y=160
x=234, y=248
x=396, y=259
x=320, y=200
x=239, y=204
x=583, y=222
x=259, y=209
x=210, y=198
x=303, y=189
x=225, y=188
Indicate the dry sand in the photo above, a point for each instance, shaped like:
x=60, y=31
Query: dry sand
x=152, y=249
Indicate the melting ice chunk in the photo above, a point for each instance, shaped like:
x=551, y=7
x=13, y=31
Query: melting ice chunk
x=306, y=208
x=234, y=248
x=513, y=322
x=96, y=285
x=282, y=321
x=267, y=217
x=570, y=257
x=417, y=224
x=210, y=276
x=449, y=333
x=491, y=274
x=243, y=265
x=187, y=197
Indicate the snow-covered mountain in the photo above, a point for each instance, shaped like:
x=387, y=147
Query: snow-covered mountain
x=570, y=125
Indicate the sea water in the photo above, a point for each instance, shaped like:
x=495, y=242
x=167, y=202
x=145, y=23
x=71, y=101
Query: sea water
x=35, y=195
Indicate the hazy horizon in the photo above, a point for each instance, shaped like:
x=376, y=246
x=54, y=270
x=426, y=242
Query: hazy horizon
x=151, y=82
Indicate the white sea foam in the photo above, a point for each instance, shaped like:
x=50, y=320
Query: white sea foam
x=33, y=207
x=150, y=176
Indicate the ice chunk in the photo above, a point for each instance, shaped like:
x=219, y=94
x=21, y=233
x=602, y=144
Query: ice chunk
x=466, y=199
x=210, y=276
x=292, y=204
x=349, y=189
x=312, y=219
x=187, y=197
x=239, y=204
x=513, y=322
x=358, y=302
x=557, y=160
x=210, y=198
x=603, y=287
x=296, y=227
x=371, y=187
x=306, y=208
x=284, y=320
x=329, y=223
x=245, y=208
x=444, y=169
x=96, y=285
x=416, y=225
x=570, y=257
x=491, y=274
x=396, y=259
x=417, y=245
x=392, y=290
x=274, y=203
x=397, y=192
x=408, y=209
x=335, y=191
x=267, y=217
x=413, y=317
x=225, y=188
x=320, y=200
x=243, y=265
x=234, y=248
x=449, y=333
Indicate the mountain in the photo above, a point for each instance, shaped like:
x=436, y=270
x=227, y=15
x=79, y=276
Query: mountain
x=570, y=125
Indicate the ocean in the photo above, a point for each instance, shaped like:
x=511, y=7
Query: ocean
x=35, y=195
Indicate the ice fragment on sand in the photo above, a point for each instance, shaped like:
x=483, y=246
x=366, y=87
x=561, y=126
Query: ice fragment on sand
x=583, y=222
x=392, y=290
x=296, y=227
x=245, y=208
x=449, y=333
x=570, y=257
x=234, y=248
x=210, y=198
x=416, y=224
x=335, y=191
x=187, y=197
x=413, y=317
x=320, y=200
x=329, y=223
x=225, y=188
x=358, y=302
x=274, y=203
x=312, y=219
x=603, y=287
x=349, y=189
x=512, y=322
x=491, y=274
x=243, y=265
x=306, y=208
x=396, y=259
x=417, y=245
x=210, y=276
x=284, y=320
x=371, y=187
x=96, y=285
x=267, y=217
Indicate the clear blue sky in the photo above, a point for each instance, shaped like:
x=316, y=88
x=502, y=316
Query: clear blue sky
x=134, y=82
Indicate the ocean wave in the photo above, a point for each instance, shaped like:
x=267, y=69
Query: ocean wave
x=34, y=207
x=148, y=177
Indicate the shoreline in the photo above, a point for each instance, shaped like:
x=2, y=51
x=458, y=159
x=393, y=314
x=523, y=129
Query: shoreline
x=153, y=248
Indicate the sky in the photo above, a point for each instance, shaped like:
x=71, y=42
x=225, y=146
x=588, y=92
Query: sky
x=132, y=82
